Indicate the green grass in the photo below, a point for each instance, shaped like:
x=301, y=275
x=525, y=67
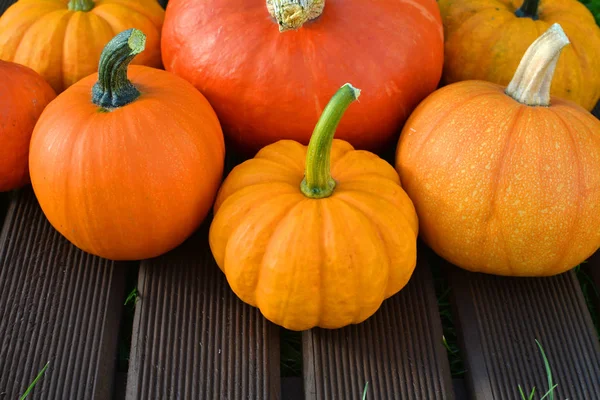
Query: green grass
x=290, y=353
x=551, y=386
x=37, y=378
x=127, y=320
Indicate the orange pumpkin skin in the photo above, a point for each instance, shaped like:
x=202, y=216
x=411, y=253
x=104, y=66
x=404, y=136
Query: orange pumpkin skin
x=501, y=187
x=132, y=183
x=485, y=40
x=314, y=262
x=267, y=85
x=37, y=32
x=23, y=96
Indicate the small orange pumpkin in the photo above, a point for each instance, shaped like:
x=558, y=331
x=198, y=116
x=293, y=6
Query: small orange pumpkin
x=506, y=180
x=23, y=96
x=36, y=33
x=486, y=39
x=315, y=236
x=123, y=173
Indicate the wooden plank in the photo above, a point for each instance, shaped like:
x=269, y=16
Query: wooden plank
x=398, y=350
x=57, y=305
x=193, y=338
x=498, y=320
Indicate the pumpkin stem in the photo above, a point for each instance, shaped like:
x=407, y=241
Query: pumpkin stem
x=529, y=9
x=317, y=182
x=292, y=14
x=80, y=5
x=531, y=83
x=113, y=89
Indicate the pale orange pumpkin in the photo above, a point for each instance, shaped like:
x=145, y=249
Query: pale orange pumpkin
x=36, y=33
x=506, y=180
x=315, y=236
x=123, y=173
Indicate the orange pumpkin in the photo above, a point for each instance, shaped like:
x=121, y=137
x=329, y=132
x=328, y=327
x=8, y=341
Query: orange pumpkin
x=62, y=40
x=267, y=85
x=486, y=39
x=23, y=96
x=127, y=174
x=315, y=236
x=506, y=180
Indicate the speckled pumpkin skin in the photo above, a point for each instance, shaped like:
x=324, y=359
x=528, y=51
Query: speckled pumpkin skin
x=485, y=40
x=501, y=187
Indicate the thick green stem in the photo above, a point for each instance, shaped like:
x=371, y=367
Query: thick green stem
x=80, y=5
x=113, y=89
x=529, y=9
x=317, y=182
x=531, y=83
x=292, y=14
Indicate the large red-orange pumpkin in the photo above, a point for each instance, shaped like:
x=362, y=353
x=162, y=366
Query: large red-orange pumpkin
x=23, y=96
x=127, y=168
x=506, y=180
x=267, y=85
x=62, y=39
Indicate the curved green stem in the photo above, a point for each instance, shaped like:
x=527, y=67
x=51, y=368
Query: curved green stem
x=80, y=5
x=531, y=83
x=317, y=182
x=529, y=9
x=113, y=89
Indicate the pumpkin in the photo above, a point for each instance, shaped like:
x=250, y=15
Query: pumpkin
x=315, y=236
x=23, y=96
x=486, y=39
x=127, y=173
x=62, y=40
x=269, y=68
x=506, y=181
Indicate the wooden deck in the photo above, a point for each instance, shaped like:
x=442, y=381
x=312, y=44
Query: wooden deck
x=192, y=338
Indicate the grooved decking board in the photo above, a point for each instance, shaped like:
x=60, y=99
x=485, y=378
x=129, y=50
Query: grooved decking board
x=499, y=318
x=57, y=304
x=193, y=338
x=398, y=350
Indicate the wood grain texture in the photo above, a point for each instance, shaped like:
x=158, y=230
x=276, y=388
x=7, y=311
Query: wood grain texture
x=398, y=350
x=498, y=320
x=193, y=338
x=57, y=304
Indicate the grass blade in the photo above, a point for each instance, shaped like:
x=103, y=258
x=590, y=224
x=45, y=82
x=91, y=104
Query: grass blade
x=37, y=378
x=551, y=385
x=365, y=391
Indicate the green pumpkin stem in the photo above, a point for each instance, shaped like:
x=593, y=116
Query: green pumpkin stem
x=80, y=5
x=113, y=89
x=317, y=182
x=529, y=9
x=292, y=14
x=531, y=83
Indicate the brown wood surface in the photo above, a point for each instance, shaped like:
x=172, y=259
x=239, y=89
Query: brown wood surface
x=498, y=320
x=398, y=350
x=57, y=305
x=193, y=338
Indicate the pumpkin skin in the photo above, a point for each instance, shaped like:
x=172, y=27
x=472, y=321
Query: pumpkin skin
x=502, y=187
x=23, y=96
x=35, y=33
x=314, y=262
x=128, y=183
x=485, y=40
x=267, y=85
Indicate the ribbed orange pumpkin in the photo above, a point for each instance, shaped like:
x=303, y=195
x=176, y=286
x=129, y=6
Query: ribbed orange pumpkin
x=23, y=96
x=36, y=33
x=506, y=180
x=325, y=250
x=267, y=85
x=123, y=173
x=486, y=39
